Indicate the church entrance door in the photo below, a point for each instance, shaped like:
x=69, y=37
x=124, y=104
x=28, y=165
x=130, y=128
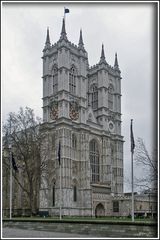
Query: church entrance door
x=100, y=211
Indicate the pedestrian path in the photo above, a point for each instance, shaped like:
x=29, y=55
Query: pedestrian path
x=19, y=233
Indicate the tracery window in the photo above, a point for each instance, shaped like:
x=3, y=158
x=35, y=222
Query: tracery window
x=74, y=141
x=94, y=161
x=94, y=97
x=55, y=80
x=72, y=80
x=110, y=97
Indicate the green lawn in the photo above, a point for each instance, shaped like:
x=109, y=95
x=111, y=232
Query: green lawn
x=81, y=219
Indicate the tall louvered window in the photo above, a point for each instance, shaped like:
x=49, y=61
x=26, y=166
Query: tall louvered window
x=55, y=80
x=110, y=97
x=72, y=81
x=94, y=97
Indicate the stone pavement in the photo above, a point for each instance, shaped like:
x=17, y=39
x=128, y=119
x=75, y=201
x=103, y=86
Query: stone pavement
x=19, y=233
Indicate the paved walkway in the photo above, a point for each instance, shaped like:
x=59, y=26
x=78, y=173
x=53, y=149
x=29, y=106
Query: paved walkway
x=19, y=233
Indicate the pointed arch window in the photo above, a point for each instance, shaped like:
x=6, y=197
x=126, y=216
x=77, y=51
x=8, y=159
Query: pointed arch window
x=94, y=161
x=74, y=190
x=94, y=97
x=75, y=193
x=55, y=80
x=74, y=141
x=72, y=80
x=110, y=97
x=53, y=194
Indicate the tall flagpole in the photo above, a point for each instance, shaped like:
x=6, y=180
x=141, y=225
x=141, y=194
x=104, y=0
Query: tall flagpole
x=60, y=209
x=60, y=181
x=10, y=205
x=10, y=158
x=132, y=188
x=64, y=14
x=132, y=179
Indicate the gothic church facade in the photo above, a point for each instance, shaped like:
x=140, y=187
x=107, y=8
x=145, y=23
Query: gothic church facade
x=82, y=114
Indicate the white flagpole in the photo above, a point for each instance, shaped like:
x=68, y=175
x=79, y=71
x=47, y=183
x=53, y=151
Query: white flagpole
x=10, y=208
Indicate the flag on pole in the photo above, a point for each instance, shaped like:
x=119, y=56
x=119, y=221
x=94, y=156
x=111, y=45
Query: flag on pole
x=14, y=164
x=132, y=138
x=59, y=153
x=66, y=10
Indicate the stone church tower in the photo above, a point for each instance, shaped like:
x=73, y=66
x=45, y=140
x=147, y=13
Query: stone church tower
x=82, y=113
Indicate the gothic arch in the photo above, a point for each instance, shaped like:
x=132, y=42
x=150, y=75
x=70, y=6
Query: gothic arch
x=54, y=67
x=93, y=86
x=53, y=181
x=97, y=139
x=90, y=117
x=73, y=66
x=99, y=210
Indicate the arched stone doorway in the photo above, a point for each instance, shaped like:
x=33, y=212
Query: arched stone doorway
x=100, y=211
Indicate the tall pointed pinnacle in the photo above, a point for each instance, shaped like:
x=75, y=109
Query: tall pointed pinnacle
x=81, y=44
x=102, y=59
x=48, y=38
x=47, y=43
x=63, y=31
x=116, y=61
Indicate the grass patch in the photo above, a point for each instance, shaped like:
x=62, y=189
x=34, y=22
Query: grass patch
x=83, y=219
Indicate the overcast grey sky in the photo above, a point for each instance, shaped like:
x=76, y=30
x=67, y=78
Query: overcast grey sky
x=125, y=28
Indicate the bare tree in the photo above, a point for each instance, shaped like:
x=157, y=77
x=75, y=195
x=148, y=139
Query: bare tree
x=147, y=163
x=22, y=132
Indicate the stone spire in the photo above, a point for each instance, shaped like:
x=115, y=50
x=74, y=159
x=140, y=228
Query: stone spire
x=116, y=62
x=47, y=43
x=63, y=31
x=102, y=59
x=48, y=38
x=81, y=44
